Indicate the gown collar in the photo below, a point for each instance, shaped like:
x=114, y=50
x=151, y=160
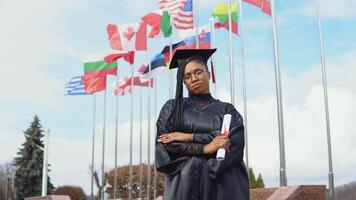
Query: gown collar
x=201, y=100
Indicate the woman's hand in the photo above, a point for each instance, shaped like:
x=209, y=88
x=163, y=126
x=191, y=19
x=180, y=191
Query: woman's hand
x=175, y=136
x=221, y=141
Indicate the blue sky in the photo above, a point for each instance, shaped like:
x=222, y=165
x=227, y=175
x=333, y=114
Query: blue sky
x=43, y=44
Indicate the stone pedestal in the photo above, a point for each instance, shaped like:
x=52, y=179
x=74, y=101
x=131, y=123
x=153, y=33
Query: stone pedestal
x=50, y=197
x=299, y=192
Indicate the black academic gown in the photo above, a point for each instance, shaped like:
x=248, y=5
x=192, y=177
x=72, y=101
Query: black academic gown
x=189, y=173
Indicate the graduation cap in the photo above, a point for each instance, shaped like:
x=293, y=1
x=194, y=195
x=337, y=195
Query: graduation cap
x=183, y=56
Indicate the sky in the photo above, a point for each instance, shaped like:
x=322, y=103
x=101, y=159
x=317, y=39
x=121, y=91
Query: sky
x=43, y=43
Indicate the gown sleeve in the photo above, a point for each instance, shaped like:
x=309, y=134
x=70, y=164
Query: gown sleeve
x=234, y=156
x=170, y=157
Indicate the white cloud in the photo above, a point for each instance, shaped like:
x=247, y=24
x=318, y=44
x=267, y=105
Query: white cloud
x=27, y=45
x=330, y=9
x=304, y=120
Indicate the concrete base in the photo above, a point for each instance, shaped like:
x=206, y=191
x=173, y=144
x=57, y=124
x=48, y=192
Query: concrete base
x=299, y=192
x=50, y=197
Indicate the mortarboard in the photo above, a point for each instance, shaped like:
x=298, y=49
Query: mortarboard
x=183, y=56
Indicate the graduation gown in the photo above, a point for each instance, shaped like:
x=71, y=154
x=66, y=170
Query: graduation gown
x=189, y=173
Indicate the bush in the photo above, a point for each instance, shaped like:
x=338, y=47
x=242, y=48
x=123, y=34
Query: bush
x=74, y=192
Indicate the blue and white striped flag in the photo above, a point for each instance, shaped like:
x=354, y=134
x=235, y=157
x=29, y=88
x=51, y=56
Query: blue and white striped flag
x=75, y=86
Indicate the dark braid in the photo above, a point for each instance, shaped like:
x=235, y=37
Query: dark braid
x=175, y=120
x=176, y=117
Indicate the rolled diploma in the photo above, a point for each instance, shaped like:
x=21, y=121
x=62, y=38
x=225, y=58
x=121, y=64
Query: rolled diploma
x=225, y=128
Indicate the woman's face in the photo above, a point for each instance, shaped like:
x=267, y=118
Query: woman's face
x=196, y=78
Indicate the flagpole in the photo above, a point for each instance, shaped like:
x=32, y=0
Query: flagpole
x=326, y=104
x=195, y=21
x=103, y=181
x=92, y=153
x=148, y=189
x=211, y=21
x=116, y=134
x=155, y=131
x=131, y=130
x=141, y=168
x=45, y=164
x=282, y=170
x=244, y=95
x=170, y=85
x=231, y=59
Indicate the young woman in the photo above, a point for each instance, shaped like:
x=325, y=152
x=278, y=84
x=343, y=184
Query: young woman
x=188, y=137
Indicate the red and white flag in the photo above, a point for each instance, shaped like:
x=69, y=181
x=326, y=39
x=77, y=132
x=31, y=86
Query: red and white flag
x=127, y=36
x=120, y=86
x=263, y=4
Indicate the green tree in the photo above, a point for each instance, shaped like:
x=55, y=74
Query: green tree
x=251, y=178
x=2, y=195
x=29, y=162
x=259, y=182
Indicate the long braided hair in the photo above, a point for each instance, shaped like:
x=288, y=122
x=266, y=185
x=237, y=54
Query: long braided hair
x=175, y=120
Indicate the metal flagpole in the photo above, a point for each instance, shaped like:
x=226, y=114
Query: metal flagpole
x=141, y=167
x=231, y=59
x=92, y=153
x=103, y=181
x=116, y=133
x=282, y=170
x=155, y=131
x=170, y=85
x=326, y=104
x=195, y=21
x=211, y=22
x=45, y=164
x=148, y=187
x=131, y=131
x=244, y=96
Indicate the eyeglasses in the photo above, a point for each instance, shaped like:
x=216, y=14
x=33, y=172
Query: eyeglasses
x=198, y=73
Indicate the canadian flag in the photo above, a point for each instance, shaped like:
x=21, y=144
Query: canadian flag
x=127, y=36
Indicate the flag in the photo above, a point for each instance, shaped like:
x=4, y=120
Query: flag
x=160, y=23
x=75, y=86
x=184, y=18
x=234, y=25
x=94, y=84
x=127, y=36
x=142, y=69
x=158, y=67
x=96, y=66
x=172, y=6
x=221, y=12
x=127, y=56
x=189, y=43
x=263, y=4
x=204, y=41
x=181, y=12
x=192, y=32
x=120, y=86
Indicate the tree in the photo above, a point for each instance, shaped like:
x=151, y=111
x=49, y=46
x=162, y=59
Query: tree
x=74, y=192
x=259, y=182
x=253, y=182
x=29, y=162
x=123, y=179
x=7, y=175
x=251, y=178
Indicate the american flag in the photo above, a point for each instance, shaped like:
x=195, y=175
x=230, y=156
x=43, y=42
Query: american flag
x=181, y=12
